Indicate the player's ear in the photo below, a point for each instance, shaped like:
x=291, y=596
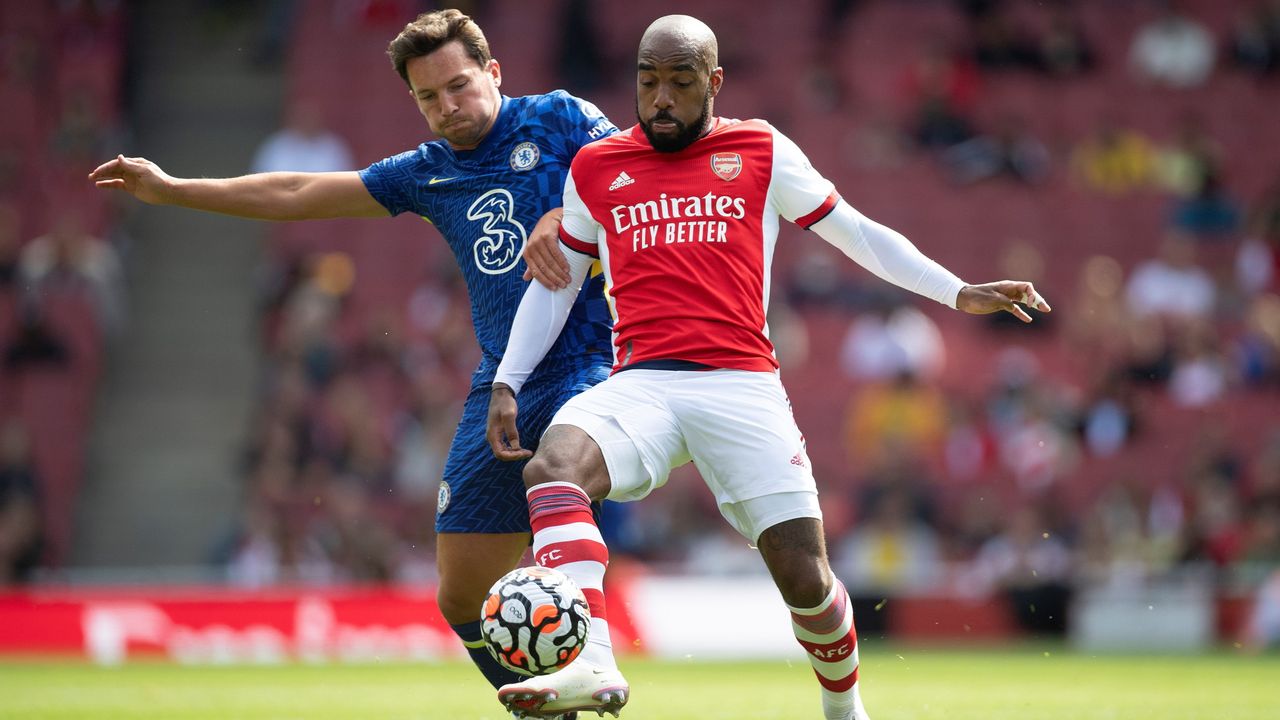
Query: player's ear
x=717, y=79
x=495, y=71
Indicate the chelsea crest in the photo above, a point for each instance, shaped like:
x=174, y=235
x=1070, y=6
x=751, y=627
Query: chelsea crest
x=525, y=156
x=443, y=497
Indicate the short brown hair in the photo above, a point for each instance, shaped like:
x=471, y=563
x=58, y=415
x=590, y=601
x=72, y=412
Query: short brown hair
x=430, y=31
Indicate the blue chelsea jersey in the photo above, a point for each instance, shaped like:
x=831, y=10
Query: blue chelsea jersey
x=486, y=201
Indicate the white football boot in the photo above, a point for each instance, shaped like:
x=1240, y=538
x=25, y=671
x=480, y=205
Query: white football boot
x=578, y=687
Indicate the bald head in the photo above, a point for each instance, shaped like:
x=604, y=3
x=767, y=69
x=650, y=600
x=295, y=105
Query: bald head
x=676, y=35
x=677, y=76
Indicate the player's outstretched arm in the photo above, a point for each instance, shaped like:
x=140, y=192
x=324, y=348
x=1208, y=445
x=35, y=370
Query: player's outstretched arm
x=261, y=196
x=546, y=261
x=504, y=438
x=1002, y=295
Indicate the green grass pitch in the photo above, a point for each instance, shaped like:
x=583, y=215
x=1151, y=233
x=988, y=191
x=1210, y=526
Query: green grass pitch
x=899, y=683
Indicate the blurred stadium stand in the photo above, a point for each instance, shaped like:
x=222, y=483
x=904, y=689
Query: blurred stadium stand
x=365, y=333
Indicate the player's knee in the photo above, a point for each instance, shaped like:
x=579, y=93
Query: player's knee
x=456, y=605
x=805, y=587
x=542, y=469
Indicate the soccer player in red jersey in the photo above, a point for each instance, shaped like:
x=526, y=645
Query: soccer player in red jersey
x=682, y=211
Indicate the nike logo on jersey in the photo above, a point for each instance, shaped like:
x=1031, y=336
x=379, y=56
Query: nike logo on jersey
x=435, y=180
x=622, y=180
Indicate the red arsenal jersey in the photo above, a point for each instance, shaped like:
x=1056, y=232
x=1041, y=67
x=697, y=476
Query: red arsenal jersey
x=686, y=239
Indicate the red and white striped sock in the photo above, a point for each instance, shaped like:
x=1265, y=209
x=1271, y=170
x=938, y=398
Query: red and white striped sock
x=565, y=537
x=828, y=636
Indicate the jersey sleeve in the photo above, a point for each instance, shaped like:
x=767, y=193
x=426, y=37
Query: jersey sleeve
x=584, y=123
x=579, y=231
x=800, y=193
x=389, y=181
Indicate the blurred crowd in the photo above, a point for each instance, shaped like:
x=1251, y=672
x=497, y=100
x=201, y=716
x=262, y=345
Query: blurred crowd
x=61, y=276
x=1049, y=472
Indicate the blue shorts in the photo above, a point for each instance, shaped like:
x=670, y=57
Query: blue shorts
x=479, y=493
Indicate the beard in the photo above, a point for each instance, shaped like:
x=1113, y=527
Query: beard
x=685, y=134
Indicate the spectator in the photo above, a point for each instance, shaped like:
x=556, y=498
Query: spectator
x=1172, y=50
x=581, y=61
x=423, y=433
x=20, y=524
x=1257, y=349
x=1148, y=354
x=940, y=92
x=1172, y=284
x=891, y=551
x=360, y=546
x=1012, y=151
x=718, y=551
x=70, y=258
x=1215, y=530
x=275, y=549
x=999, y=44
x=1113, y=540
x=35, y=343
x=889, y=341
x=878, y=143
x=1211, y=213
x=1185, y=166
x=1114, y=160
x=1065, y=51
x=1255, y=39
x=1030, y=565
x=303, y=145
x=1199, y=375
x=1037, y=450
x=1098, y=330
x=80, y=137
x=903, y=415
x=1262, y=629
x=1109, y=416
x=968, y=448
x=1261, y=552
x=1258, y=258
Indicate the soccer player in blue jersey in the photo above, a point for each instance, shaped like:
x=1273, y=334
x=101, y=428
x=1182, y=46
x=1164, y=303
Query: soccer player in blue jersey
x=497, y=169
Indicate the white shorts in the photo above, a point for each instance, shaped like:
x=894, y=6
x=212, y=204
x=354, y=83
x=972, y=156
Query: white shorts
x=736, y=427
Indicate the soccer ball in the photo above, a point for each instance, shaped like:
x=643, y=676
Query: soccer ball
x=535, y=620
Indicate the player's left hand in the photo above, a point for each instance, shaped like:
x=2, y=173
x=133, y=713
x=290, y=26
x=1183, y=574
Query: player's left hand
x=501, y=432
x=545, y=260
x=1003, y=295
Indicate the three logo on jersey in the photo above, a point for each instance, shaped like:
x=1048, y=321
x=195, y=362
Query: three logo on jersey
x=498, y=249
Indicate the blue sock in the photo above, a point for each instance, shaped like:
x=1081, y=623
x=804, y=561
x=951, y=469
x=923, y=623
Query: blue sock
x=489, y=667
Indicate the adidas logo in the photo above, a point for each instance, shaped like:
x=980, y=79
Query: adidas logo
x=622, y=180
x=798, y=459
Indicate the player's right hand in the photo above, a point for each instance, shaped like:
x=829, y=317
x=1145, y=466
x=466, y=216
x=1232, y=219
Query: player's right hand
x=545, y=260
x=139, y=177
x=501, y=432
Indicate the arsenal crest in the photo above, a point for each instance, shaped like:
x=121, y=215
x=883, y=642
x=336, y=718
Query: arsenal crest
x=726, y=165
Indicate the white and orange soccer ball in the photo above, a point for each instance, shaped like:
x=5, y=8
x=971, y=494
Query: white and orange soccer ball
x=535, y=620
